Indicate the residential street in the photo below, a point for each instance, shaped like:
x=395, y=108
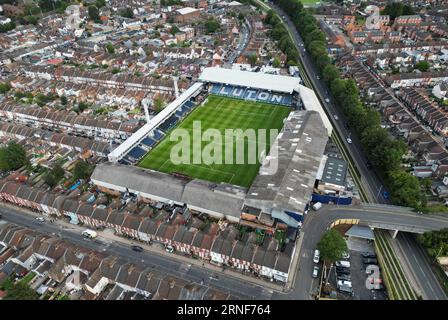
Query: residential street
x=316, y=223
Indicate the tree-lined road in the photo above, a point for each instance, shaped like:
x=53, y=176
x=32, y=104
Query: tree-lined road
x=371, y=182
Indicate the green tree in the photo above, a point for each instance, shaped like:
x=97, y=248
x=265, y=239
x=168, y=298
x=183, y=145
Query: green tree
x=405, y=189
x=93, y=13
x=332, y=246
x=330, y=73
x=110, y=48
x=423, y=66
x=127, y=13
x=82, y=170
x=252, y=59
x=100, y=3
x=174, y=30
x=7, y=27
x=63, y=100
x=159, y=104
x=276, y=63
x=82, y=106
x=4, y=87
x=21, y=291
x=436, y=242
x=211, y=25
x=53, y=176
x=13, y=157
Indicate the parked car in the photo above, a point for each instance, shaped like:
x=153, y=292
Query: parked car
x=342, y=283
x=40, y=219
x=343, y=263
x=342, y=271
x=169, y=249
x=344, y=277
x=315, y=271
x=335, y=117
x=349, y=141
x=327, y=100
x=317, y=206
x=346, y=256
x=137, y=248
x=346, y=289
x=368, y=255
x=316, y=257
x=370, y=261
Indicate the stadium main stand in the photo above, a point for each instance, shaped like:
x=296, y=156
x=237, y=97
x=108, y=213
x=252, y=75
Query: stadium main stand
x=251, y=94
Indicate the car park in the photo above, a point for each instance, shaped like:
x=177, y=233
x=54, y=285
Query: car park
x=316, y=257
x=345, y=277
x=370, y=261
x=344, y=283
x=343, y=263
x=315, y=271
x=343, y=271
x=368, y=255
x=137, y=248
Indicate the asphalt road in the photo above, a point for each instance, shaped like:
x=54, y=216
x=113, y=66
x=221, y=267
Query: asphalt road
x=246, y=33
x=372, y=183
x=421, y=266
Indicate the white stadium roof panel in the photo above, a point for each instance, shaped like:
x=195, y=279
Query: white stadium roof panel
x=255, y=80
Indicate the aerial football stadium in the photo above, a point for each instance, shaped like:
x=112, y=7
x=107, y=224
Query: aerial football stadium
x=224, y=99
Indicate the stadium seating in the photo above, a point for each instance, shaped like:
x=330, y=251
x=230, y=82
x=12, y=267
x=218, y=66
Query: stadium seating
x=169, y=123
x=157, y=135
x=251, y=94
x=188, y=104
x=137, y=153
x=148, y=142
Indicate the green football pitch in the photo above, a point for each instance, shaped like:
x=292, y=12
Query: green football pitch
x=219, y=113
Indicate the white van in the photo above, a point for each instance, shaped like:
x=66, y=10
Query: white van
x=342, y=263
x=316, y=257
x=317, y=206
x=89, y=233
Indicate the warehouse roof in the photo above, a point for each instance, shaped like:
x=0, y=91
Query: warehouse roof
x=300, y=147
x=256, y=80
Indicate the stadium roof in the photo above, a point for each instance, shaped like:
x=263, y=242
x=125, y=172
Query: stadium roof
x=301, y=145
x=223, y=199
x=311, y=102
x=255, y=80
x=141, y=133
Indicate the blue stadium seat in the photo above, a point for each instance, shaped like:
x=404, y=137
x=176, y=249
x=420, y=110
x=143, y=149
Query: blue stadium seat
x=157, y=135
x=169, y=123
x=136, y=153
x=148, y=142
